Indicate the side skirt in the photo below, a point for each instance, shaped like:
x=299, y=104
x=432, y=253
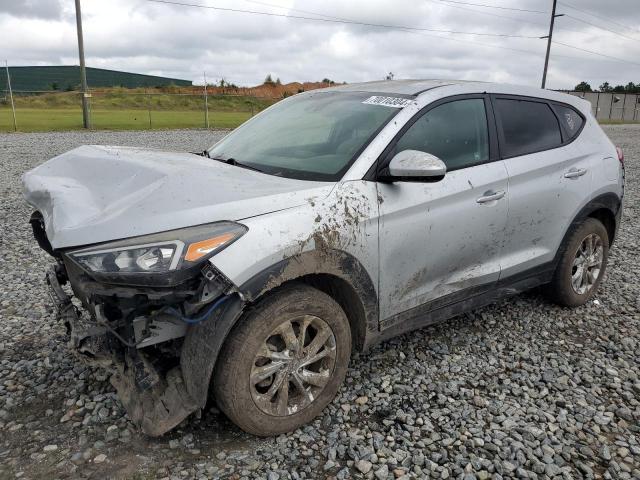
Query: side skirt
x=457, y=303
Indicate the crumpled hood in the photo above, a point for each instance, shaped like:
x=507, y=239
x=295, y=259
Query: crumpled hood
x=95, y=193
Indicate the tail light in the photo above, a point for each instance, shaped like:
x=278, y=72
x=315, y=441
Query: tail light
x=620, y=155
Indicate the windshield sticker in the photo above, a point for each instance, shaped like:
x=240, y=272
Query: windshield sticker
x=394, y=102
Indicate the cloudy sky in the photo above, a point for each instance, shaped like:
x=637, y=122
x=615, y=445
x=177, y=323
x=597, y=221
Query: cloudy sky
x=180, y=41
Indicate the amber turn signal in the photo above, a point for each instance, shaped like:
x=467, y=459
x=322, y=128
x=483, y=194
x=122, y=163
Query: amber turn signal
x=198, y=250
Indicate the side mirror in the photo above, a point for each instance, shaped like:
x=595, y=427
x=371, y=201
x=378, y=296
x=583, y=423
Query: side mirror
x=415, y=166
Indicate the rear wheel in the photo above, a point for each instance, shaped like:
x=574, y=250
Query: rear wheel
x=284, y=362
x=582, y=265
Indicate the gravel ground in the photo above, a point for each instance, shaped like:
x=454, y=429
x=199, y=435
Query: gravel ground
x=519, y=389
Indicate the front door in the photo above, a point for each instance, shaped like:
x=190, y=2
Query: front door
x=441, y=240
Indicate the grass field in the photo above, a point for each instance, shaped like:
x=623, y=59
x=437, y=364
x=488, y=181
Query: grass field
x=136, y=98
x=128, y=109
x=118, y=110
x=46, y=119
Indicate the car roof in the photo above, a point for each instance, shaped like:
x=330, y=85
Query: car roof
x=400, y=87
x=414, y=88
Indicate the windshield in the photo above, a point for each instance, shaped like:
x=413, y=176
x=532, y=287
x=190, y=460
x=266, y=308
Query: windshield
x=315, y=136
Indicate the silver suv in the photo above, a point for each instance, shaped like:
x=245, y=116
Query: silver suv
x=331, y=221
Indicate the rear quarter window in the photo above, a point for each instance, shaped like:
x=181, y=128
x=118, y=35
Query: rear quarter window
x=526, y=126
x=570, y=120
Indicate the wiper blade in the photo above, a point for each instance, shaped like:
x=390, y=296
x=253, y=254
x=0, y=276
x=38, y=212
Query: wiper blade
x=235, y=163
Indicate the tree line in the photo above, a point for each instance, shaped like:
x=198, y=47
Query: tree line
x=606, y=87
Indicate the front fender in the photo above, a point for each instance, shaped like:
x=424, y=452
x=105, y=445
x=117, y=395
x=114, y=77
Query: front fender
x=336, y=235
x=319, y=262
x=202, y=345
x=204, y=341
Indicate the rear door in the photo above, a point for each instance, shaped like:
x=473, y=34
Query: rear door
x=441, y=240
x=549, y=178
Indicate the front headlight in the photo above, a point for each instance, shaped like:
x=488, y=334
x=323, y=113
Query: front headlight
x=159, y=253
x=160, y=257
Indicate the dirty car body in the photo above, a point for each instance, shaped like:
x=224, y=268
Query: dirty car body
x=404, y=203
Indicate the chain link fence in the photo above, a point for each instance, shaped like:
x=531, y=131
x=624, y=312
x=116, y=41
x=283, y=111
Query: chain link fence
x=126, y=109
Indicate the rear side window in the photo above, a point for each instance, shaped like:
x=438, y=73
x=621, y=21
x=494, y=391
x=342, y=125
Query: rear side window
x=526, y=127
x=570, y=120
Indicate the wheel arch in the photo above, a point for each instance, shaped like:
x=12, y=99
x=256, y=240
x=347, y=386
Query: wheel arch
x=335, y=272
x=347, y=297
x=605, y=208
x=608, y=219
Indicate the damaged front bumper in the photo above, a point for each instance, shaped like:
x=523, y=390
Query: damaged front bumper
x=160, y=365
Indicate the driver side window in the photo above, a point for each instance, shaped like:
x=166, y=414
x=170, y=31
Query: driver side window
x=456, y=132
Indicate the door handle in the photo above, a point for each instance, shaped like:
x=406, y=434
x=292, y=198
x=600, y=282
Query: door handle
x=490, y=196
x=575, y=173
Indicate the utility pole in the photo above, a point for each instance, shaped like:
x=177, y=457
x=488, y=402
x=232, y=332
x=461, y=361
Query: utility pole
x=206, y=103
x=549, y=37
x=86, y=121
x=13, y=107
x=148, y=106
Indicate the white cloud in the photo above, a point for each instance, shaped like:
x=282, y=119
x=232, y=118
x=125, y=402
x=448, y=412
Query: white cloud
x=183, y=42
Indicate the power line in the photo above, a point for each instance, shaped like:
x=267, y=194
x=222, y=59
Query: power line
x=601, y=28
x=514, y=19
x=409, y=31
x=601, y=17
x=447, y=38
x=436, y=2
x=444, y=3
x=351, y=22
x=519, y=50
x=296, y=10
x=540, y=11
x=450, y=3
x=596, y=53
x=414, y=30
x=257, y=2
x=495, y=6
x=475, y=43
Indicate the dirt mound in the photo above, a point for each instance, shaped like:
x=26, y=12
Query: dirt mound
x=270, y=90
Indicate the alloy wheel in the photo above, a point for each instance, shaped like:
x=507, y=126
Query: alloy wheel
x=293, y=365
x=587, y=264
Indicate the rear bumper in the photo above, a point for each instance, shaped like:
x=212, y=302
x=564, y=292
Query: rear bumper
x=155, y=402
x=618, y=219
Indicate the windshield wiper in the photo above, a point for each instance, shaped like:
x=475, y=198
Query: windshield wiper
x=235, y=163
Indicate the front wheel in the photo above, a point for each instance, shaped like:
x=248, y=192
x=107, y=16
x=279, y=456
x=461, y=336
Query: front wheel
x=582, y=265
x=284, y=362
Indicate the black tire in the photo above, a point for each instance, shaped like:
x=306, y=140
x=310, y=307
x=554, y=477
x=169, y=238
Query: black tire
x=244, y=401
x=561, y=289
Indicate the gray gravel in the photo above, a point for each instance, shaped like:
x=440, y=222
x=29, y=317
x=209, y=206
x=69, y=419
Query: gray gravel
x=520, y=389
